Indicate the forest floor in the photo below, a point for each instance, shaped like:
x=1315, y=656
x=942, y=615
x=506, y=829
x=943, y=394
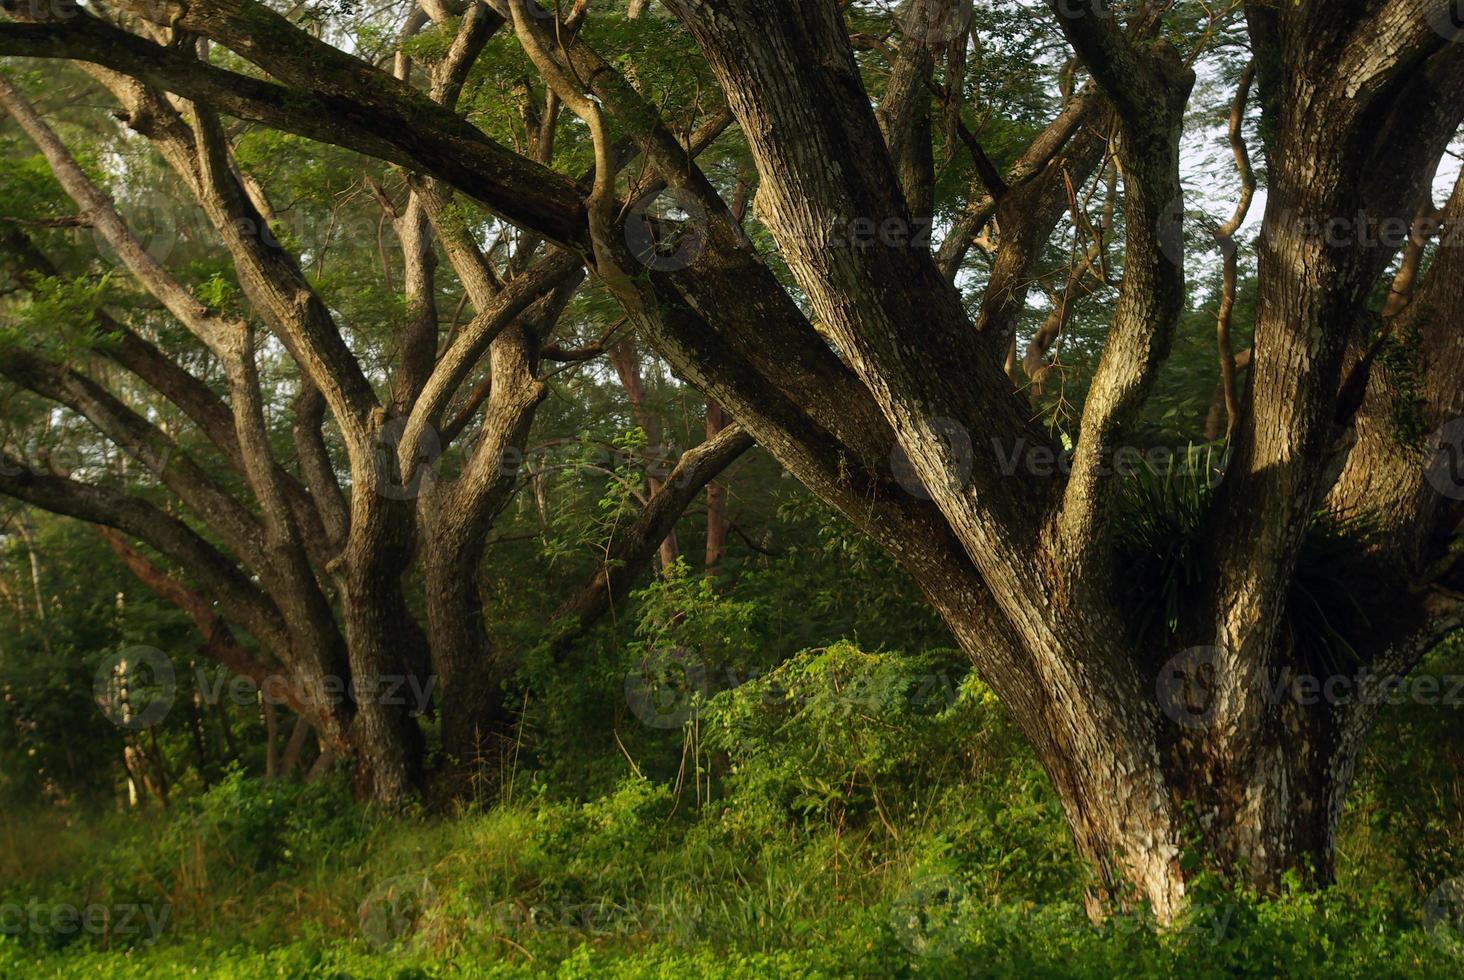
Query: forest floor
x=926, y=845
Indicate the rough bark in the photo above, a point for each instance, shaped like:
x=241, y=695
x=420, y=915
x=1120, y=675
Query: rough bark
x=902, y=417
x=470, y=668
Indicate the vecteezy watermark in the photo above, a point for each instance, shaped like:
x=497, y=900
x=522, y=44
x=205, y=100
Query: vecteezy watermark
x=41, y=11
x=582, y=918
x=152, y=218
x=1130, y=10
x=1189, y=688
x=1169, y=231
x=667, y=232
x=393, y=909
x=160, y=222
x=69, y=459
x=219, y=686
x=400, y=907
x=861, y=691
x=1446, y=466
x=1443, y=916
x=429, y=454
x=666, y=687
x=94, y=919
x=955, y=450
x=863, y=233
x=929, y=917
x=1388, y=231
x=1046, y=461
x=135, y=687
x=936, y=22
x=933, y=916
x=421, y=472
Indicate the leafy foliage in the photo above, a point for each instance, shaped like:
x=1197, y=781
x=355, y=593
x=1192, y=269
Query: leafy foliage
x=941, y=847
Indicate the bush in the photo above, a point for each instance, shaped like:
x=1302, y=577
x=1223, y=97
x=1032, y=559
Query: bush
x=845, y=813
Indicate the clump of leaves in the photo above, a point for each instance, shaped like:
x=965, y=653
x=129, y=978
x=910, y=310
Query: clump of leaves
x=1159, y=528
x=828, y=730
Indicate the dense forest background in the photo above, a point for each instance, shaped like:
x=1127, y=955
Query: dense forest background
x=767, y=758
x=780, y=770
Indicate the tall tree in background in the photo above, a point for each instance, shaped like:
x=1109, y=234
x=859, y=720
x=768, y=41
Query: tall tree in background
x=316, y=575
x=867, y=373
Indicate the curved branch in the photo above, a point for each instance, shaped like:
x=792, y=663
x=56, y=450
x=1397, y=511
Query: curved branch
x=1225, y=235
x=381, y=118
x=240, y=598
x=142, y=441
x=219, y=642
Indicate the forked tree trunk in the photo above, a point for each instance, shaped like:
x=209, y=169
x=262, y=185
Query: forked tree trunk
x=1244, y=780
x=470, y=670
x=384, y=735
x=1163, y=765
x=1255, y=805
x=1160, y=782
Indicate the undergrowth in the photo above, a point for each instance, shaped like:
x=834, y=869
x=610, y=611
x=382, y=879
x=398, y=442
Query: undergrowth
x=846, y=813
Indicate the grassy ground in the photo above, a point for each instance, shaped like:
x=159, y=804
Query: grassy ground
x=801, y=838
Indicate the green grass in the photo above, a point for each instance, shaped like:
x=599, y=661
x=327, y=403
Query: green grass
x=806, y=836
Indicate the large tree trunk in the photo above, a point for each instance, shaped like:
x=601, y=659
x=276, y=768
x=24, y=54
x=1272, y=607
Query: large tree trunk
x=471, y=671
x=895, y=410
x=381, y=634
x=1264, y=776
x=1265, y=806
x=384, y=736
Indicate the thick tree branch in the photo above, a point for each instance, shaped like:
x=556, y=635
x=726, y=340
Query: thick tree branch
x=1081, y=110
x=240, y=598
x=175, y=469
x=199, y=402
x=381, y=120
x=219, y=642
x=1150, y=92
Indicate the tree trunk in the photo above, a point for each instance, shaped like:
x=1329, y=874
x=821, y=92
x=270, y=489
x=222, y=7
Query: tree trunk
x=384, y=736
x=379, y=629
x=470, y=670
x=299, y=734
x=1255, y=808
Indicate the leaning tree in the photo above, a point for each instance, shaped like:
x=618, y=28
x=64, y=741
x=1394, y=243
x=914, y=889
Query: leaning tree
x=841, y=336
